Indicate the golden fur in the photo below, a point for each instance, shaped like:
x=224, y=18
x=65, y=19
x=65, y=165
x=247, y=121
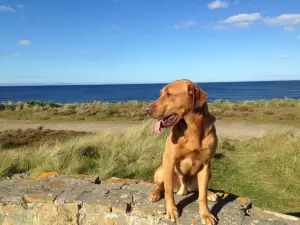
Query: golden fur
x=189, y=147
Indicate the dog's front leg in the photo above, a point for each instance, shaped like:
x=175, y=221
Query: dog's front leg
x=171, y=209
x=203, y=179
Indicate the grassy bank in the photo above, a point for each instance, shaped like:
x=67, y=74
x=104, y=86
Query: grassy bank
x=285, y=111
x=35, y=137
x=264, y=169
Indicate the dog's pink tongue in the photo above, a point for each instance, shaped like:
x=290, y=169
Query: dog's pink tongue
x=157, y=128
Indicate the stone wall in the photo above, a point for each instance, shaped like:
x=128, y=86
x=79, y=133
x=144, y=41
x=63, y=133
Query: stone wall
x=48, y=198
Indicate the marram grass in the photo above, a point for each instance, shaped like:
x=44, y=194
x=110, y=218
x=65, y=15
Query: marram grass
x=264, y=169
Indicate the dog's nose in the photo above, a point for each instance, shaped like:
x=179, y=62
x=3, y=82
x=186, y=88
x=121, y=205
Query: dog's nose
x=150, y=109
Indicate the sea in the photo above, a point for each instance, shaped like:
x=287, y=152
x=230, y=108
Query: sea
x=231, y=91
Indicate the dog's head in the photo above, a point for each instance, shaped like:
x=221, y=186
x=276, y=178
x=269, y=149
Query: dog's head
x=176, y=99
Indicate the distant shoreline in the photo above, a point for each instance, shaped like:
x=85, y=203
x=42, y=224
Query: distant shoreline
x=159, y=83
x=278, y=111
x=142, y=102
x=227, y=91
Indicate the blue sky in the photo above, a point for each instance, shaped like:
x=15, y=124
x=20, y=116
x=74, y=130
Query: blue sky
x=148, y=41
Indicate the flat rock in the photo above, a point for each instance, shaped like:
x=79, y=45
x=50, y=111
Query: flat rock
x=50, y=198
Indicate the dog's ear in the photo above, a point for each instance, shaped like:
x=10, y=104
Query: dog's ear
x=199, y=97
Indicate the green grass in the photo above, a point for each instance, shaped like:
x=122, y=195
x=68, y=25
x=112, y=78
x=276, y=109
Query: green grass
x=73, y=112
x=264, y=169
x=38, y=136
x=285, y=111
x=133, y=154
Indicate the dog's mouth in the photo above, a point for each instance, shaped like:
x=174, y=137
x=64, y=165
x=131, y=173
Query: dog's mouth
x=165, y=122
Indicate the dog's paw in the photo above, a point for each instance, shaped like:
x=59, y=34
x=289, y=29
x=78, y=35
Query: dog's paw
x=172, y=213
x=211, y=196
x=207, y=218
x=182, y=191
x=154, y=196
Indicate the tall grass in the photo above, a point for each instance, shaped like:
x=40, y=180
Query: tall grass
x=132, y=154
x=276, y=110
x=76, y=111
x=264, y=169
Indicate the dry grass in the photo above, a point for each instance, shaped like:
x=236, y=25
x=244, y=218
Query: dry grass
x=16, y=138
x=73, y=112
x=264, y=169
x=132, y=154
x=285, y=111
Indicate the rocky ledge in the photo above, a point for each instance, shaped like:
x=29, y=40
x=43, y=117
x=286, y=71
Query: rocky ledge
x=49, y=198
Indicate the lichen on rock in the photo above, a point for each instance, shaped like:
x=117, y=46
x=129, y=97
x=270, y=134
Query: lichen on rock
x=49, y=198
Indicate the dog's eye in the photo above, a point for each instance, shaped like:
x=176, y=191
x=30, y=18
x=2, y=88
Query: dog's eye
x=169, y=94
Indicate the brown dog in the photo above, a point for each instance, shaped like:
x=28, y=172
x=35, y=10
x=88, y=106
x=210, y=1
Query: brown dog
x=189, y=147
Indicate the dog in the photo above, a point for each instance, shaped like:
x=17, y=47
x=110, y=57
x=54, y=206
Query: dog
x=189, y=147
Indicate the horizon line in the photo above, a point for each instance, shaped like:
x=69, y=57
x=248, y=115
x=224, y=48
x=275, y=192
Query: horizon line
x=99, y=84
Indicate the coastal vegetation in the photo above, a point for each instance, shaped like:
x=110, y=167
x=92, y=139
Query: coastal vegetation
x=265, y=169
x=285, y=111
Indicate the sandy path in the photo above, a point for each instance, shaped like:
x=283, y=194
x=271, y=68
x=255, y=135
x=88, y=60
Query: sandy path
x=224, y=128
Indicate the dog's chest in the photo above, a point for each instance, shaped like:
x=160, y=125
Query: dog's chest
x=190, y=158
x=187, y=145
x=190, y=164
x=189, y=155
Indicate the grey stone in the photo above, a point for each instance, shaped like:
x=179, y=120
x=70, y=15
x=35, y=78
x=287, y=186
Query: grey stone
x=231, y=214
x=272, y=222
x=10, y=196
x=139, y=188
x=52, y=199
x=19, y=176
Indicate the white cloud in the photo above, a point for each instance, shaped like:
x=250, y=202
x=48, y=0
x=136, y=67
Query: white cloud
x=283, y=56
x=24, y=42
x=289, y=29
x=185, y=24
x=243, y=18
x=16, y=54
x=4, y=8
x=242, y=24
x=283, y=19
x=221, y=27
x=217, y=4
